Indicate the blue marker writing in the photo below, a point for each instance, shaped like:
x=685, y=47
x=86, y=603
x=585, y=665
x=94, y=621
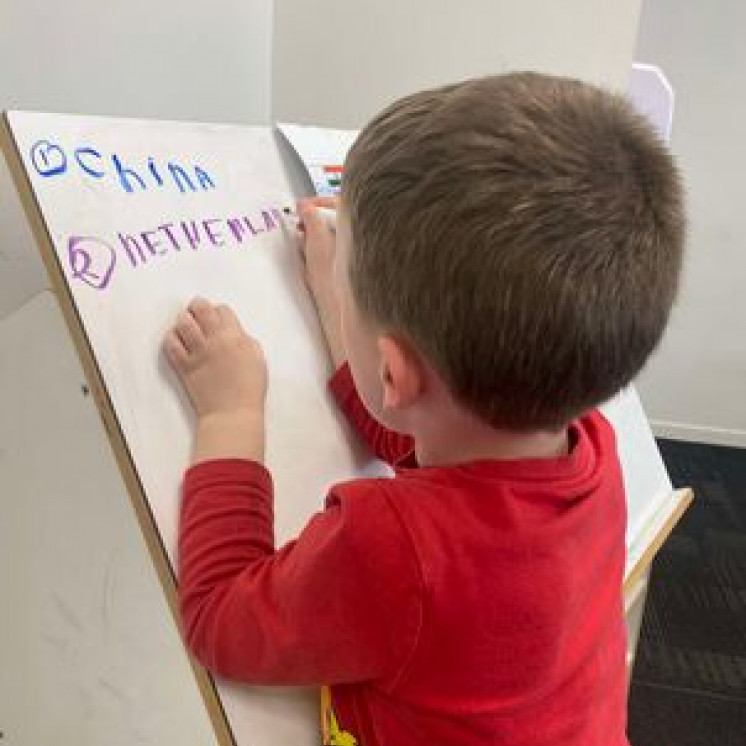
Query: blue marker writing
x=48, y=159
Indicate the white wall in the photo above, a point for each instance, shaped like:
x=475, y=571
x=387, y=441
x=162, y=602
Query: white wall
x=89, y=653
x=336, y=63
x=167, y=59
x=695, y=387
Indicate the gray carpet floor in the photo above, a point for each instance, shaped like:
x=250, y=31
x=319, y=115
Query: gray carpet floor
x=689, y=681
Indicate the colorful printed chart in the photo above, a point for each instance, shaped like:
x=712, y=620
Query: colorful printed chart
x=322, y=153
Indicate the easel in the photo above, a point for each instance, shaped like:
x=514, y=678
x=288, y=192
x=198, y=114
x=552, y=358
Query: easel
x=638, y=576
x=653, y=533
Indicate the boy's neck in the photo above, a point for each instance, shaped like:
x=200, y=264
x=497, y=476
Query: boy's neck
x=460, y=437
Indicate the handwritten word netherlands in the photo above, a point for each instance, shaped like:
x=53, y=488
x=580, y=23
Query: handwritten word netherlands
x=92, y=260
x=50, y=160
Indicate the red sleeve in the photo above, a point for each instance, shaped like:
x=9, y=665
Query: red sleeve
x=318, y=610
x=387, y=445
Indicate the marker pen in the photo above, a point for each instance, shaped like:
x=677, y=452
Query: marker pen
x=329, y=216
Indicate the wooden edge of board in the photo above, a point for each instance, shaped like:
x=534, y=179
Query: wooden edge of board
x=682, y=498
x=108, y=416
x=633, y=592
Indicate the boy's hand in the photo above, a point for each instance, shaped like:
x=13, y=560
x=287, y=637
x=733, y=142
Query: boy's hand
x=318, y=243
x=318, y=247
x=222, y=370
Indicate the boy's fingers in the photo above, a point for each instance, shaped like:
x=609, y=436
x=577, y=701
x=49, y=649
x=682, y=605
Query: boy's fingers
x=205, y=314
x=175, y=351
x=314, y=225
x=332, y=202
x=188, y=331
x=227, y=316
x=306, y=210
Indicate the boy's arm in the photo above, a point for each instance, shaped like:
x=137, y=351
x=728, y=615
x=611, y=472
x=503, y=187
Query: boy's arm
x=297, y=615
x=319, y=250
x=386, y=444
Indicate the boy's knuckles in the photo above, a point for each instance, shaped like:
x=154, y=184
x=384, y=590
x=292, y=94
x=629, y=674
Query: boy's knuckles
x=224, y=313
x=199, y=305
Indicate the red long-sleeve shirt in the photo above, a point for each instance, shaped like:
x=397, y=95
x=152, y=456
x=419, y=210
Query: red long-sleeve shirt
x=471, y=604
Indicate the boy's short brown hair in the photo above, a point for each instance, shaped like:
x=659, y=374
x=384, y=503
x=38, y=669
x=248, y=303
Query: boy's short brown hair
x=524, y=233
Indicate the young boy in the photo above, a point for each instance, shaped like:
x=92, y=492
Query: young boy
x=507, y=254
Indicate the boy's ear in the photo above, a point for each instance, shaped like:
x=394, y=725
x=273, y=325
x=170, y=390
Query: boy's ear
x=401, y=371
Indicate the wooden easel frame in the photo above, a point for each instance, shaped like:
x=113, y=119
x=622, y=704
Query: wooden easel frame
x=682, y=499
